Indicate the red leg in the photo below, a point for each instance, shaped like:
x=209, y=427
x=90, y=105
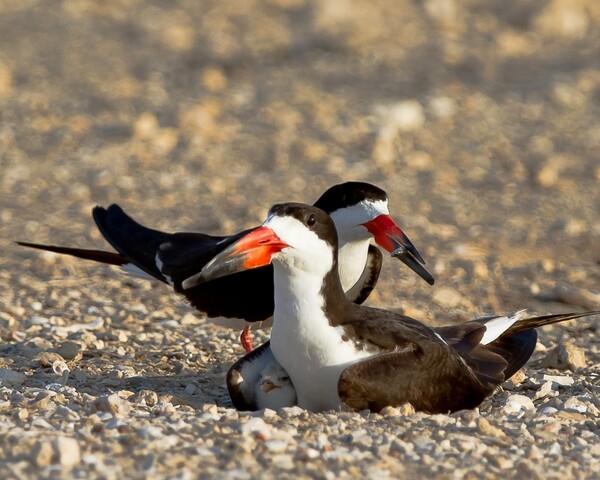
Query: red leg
x=246, y=339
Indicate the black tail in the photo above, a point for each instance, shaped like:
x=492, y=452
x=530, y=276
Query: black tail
x=515, y=349
x=515, y=345
x=536, y=322
x=169, y=257
x=100, y=256
x=133, y=241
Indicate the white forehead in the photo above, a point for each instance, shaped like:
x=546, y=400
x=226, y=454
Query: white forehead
x=308, y=253
x=293, y=232
x=358, y=214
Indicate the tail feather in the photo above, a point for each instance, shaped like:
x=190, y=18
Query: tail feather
x=526, y=324
x=132, y=240
x=512, y=338
x=515, y=349
x=100, y=256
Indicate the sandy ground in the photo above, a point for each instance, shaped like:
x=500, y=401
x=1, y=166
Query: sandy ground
x=482, y=122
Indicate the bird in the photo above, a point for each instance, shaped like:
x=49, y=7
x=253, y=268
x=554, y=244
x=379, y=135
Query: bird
x=359, y=209
x=257, y=381
x=341, y=355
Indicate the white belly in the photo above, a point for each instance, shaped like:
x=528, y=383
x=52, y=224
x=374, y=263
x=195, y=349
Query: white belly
x=314, y=362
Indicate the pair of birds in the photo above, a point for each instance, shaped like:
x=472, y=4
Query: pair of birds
x=310, y=268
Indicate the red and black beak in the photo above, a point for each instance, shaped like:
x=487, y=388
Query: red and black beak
x=253, y=250
x=389, y=236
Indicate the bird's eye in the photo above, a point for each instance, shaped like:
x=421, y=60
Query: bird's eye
x=310, y=221
x=285, y=379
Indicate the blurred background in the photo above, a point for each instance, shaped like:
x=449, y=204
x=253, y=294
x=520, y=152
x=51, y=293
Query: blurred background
x=481, y=119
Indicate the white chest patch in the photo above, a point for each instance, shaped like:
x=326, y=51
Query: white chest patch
x=305, y=344
x=302, y=340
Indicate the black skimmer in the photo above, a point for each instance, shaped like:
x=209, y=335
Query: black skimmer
x=258, y=381
x=360, y=211
x=339, y=354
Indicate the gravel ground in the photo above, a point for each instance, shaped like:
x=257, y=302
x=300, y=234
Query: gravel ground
x=480, y=118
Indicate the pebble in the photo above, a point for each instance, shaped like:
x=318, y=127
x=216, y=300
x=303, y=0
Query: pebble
x=517, y=403
x=112, y=404
x=11, y=377
x=42, y=453
x=42, y=399
x=69, y=350
x=488, y=429
x=46, y=359
x=545, y=390
x=547, y=410
x=564, y=380
x=258, y=428
x=67, y=451
x=575, y=404
x=34, y=346
x=447, y=297
x=565, y=355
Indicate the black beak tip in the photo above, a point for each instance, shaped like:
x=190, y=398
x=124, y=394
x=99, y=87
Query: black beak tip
x=412, y=262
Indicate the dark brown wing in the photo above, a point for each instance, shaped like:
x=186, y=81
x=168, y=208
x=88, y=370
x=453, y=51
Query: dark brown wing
x=367, y=281
x=429, y=376
x=417, y=365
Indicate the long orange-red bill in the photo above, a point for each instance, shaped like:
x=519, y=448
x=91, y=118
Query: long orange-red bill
x=253, y=250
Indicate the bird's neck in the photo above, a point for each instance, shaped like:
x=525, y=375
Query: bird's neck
x=304, y=297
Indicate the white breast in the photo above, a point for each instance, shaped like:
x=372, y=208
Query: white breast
x=305, y=344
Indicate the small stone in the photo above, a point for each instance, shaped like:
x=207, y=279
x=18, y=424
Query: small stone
x=112, y=404
x=22, y=414
x=563, y=380
x=517, y=403
x=555, y=449
x=575, y=404
x=518, y=378
x=389, y=412
x=544, y=391
x=488, y=429
x=34, y=346
x=148, y=397
x=11, y=377
x=406, y=409
x=42, y=453
x=283, y=461
x=447, y=297
x=276, y=446
x=547, y=410
x=565, y=355
x=503, y=462
x=258, y=428
x=268, y=413
x=292, y=411
x=45, y=359
x=69, y=350
x=67, y=451
x=42, y=399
